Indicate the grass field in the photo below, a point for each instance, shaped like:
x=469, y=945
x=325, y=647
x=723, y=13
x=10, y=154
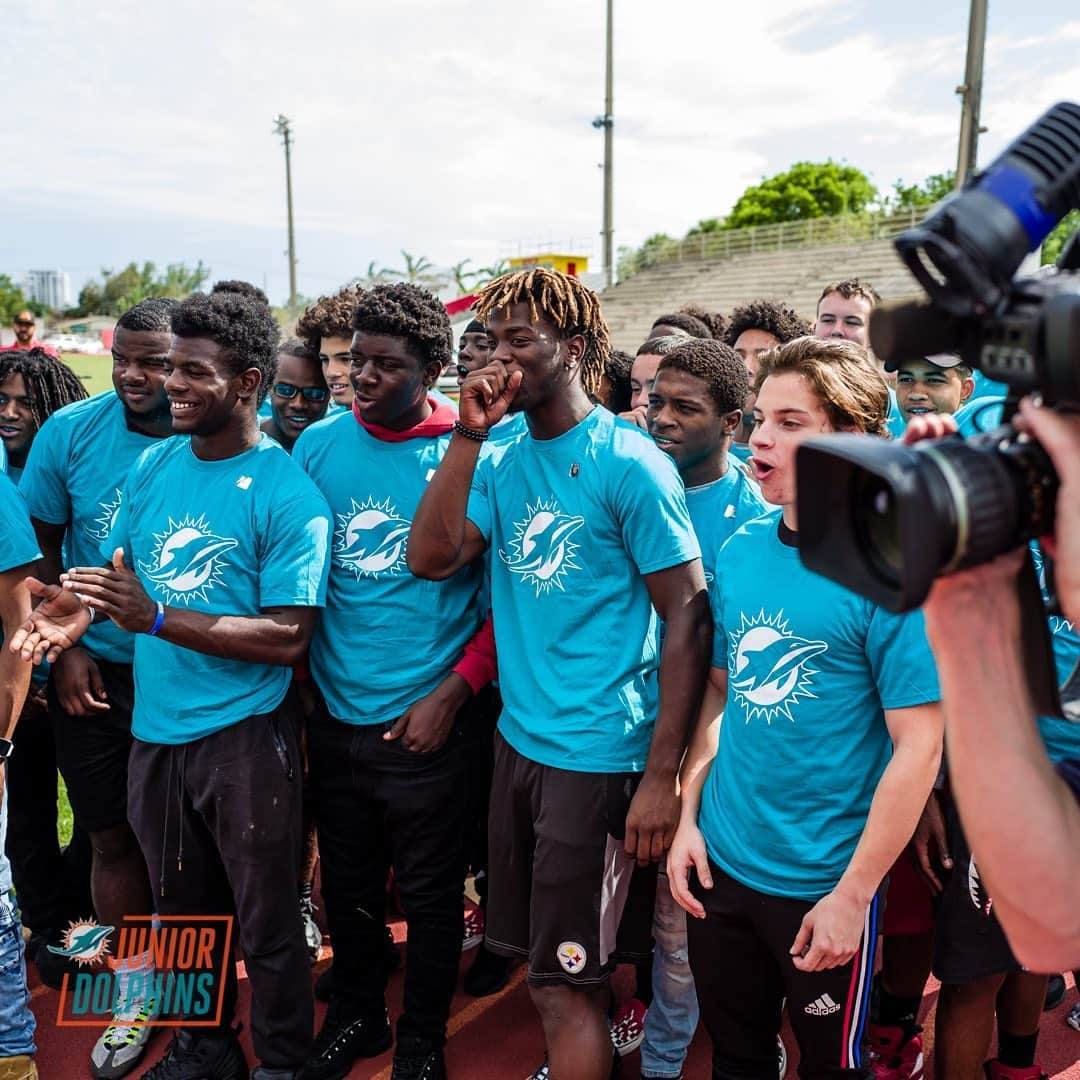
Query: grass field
x=95, y=371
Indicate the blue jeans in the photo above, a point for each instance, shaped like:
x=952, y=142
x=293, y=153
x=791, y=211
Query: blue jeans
x=16, y=1019
x=672, y=1018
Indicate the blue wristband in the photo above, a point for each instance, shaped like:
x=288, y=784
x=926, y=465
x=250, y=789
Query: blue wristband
x=158, y=620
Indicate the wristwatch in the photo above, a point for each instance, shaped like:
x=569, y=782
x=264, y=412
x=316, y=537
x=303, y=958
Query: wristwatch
x=7, y=747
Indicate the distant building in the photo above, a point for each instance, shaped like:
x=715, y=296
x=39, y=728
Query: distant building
x=49, y=287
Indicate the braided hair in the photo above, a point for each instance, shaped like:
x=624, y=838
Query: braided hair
x=50, y=383
x=571, y=307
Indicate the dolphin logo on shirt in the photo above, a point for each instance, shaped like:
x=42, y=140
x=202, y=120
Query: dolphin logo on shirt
x=542, y=550
x=769, y=667
x=186, y=561
x=370, y=539
x=100, y=528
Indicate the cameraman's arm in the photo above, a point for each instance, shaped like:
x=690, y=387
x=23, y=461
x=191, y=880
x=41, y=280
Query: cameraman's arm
x=1019, y=815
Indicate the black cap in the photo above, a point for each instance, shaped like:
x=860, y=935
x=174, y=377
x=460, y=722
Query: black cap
x=941, y=360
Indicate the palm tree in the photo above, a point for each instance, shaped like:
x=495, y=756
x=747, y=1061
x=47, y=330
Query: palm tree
x=489, y=273
x=462, y=278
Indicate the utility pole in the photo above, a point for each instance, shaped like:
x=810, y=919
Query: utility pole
x=607, y=122
x=971, y=93
x=282, y=127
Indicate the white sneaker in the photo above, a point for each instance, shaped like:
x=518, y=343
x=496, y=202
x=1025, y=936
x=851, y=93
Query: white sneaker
x=781, y=1054
x=312, y=933
x=122, y=1043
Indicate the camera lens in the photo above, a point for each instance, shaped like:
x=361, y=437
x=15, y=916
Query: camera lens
x=877, y=524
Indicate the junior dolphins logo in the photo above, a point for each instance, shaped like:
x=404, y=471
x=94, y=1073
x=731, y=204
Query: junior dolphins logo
x=186, y=561
x=100, y=528
x=542, y=550
x=769, y=667
x=370, y=539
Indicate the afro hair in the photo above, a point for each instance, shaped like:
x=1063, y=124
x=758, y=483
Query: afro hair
x=242, y=325
x=329, y=316
x=688, y=324
x=407, y=311
x=241, y=288
x=715, y=363
x=775, y=318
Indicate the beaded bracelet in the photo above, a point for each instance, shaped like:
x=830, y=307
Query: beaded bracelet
x=158, y=620
x=471, y=433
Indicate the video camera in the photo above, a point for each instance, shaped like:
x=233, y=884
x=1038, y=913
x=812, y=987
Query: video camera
x=884, y=519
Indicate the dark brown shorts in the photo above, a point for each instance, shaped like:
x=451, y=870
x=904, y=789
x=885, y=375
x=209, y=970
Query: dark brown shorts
x=558, y=874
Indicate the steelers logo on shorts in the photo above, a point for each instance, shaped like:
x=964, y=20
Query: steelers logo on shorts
x=572, y=957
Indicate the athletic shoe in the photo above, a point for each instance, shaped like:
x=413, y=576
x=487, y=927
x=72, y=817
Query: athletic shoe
x=201, y=1057
x=488, y=974
x=781, y=1057
x=418, y=1059
x=628, y=1027
x=265, y=1073
x=541, y=1073
x=996, y=1071
x=474, y=928
x=1055, y=992
x=18, y=1067
x=51, y=967
x=1073, y=1017
x=312, y=933
x=346, y=1034
x=896, y=1052
x=118, y=1050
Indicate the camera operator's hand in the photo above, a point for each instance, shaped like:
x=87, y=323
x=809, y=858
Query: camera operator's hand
x=929, y=426
x=1059, y=436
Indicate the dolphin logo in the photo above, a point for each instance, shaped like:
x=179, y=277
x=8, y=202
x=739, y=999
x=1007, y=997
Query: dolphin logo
x=769, y=667
x=544, y=545
x=976, y=890
x=83, y=942
x=187, y=559
x=371, y=539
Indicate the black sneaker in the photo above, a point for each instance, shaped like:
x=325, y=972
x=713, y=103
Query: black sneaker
x=488, y=974
x=201, y=1057
x=418, y=1059
x=1055, y=992
x=51, y=967
x=347, y=1033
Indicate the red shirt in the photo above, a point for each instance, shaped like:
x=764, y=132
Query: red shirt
x=35, y=344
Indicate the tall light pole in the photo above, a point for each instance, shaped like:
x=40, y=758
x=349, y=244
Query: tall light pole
x=282, y=127
x=971, y=93
x=607, y=122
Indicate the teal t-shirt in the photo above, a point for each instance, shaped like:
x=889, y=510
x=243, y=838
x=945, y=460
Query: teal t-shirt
x=230, y=537
x=18, y=545
x=719, y=508
x=812, y=667
x=740, y=451
x=573, y=525
x=509, y=427
x=895, y=421
x=980, y=414
x=386, y=638
x=1062, y=737
x=3, y=458
x=74, y=476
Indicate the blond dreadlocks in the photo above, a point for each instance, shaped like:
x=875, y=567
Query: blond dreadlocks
x=563, y=301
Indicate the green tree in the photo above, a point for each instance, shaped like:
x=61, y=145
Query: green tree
x=911, y=196
x=807, y=190
x=121, y=289
x=420, y=270
x=1053, y=244
x=490, y=273
x=461, y=277
x=12, y=300
x=630, y=260
x=706, y=225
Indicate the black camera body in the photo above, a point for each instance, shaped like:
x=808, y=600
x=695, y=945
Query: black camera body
x=885, y=519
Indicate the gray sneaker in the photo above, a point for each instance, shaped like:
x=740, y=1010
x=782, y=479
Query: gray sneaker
x=122, y=1043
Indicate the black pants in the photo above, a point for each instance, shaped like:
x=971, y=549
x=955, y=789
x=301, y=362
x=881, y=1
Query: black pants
x=378, y=804
x=218, y=821
x=483, y=719
x=743, y=971
x=52, y=884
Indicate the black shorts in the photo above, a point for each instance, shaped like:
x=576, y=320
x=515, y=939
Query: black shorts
x=558, y=874
x=92, y=751
x=969, y=943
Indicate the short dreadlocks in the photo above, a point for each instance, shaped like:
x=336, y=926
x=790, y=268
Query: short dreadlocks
x=50, y=383
x=571, y=307
x=775, y=318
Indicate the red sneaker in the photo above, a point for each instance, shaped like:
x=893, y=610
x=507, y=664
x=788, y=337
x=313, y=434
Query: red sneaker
x=996, y=1071
x=628, y=1027
x=473, y=931
x=896, y=1053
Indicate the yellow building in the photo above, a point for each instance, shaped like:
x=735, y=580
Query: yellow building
x=566, y=264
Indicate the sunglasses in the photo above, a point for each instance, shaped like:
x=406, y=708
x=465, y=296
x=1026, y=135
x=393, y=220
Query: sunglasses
x=23, y=322
x=317, y=394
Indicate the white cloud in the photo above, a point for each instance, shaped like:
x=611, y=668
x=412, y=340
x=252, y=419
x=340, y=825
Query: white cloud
x=454, y=128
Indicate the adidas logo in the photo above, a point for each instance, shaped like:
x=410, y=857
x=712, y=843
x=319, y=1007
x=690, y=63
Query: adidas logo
x=823, y=1006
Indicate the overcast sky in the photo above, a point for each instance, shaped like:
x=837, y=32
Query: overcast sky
x=460, y=128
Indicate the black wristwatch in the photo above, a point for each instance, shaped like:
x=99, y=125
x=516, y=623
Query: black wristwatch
x=7, y=747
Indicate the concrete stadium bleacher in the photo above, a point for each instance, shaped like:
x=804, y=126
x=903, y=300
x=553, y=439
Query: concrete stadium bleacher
x=795, y=275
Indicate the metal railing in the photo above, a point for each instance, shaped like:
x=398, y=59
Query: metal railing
x=813, y=232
